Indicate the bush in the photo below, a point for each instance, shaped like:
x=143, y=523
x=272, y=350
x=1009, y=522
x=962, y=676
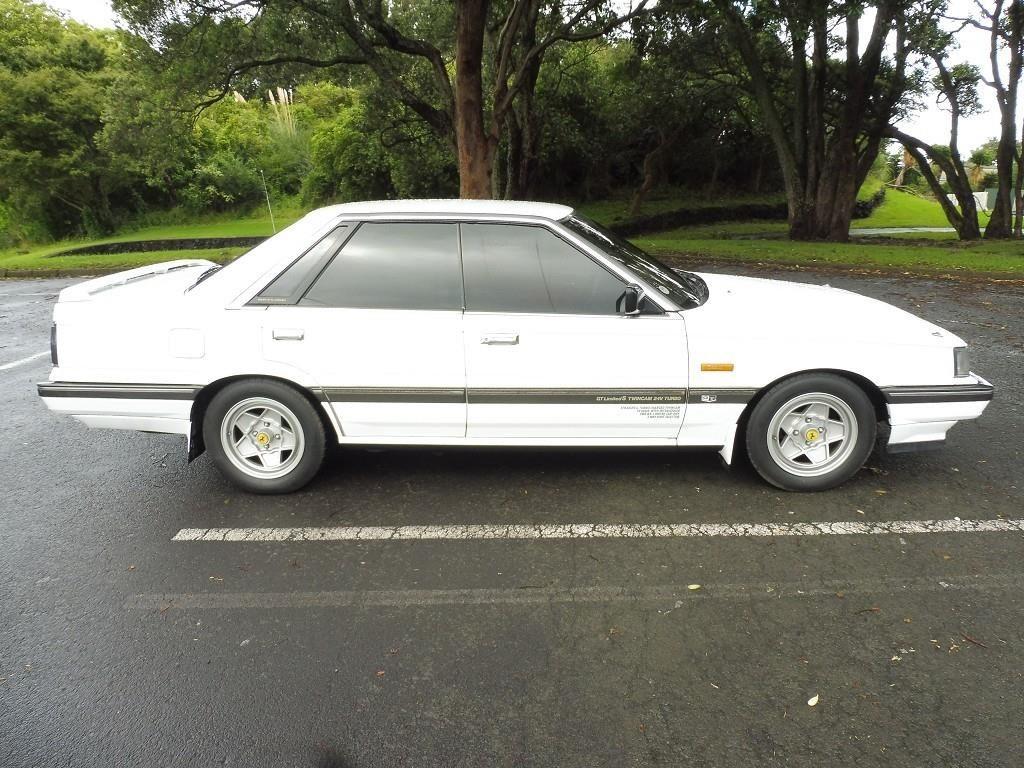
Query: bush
x=221, y=182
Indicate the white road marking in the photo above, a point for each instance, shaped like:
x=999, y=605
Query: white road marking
x=672, y=595
x=596, y=531
x=29, y=359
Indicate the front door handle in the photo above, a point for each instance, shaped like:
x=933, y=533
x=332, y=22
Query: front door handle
x=500, y=338
x=288, y=334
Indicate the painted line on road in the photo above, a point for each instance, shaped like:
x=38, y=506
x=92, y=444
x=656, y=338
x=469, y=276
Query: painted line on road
x=594, y=531
x=672, y=595
x=29, y=359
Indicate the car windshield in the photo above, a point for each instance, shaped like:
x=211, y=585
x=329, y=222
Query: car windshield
x=684, y=288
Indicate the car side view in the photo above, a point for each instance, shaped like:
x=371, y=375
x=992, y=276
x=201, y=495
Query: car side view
x=500, y=324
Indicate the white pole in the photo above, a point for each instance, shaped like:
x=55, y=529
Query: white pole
x=267, y=193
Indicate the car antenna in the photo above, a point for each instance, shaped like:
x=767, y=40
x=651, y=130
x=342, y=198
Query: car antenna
x=267, y=193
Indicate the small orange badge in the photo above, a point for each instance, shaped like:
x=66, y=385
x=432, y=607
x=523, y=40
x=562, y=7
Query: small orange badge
x=716, y=366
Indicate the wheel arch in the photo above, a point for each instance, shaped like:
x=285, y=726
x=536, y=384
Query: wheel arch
x=196, y=444
x=866, y=385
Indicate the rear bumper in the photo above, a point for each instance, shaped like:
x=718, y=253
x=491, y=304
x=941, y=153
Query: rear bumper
x=921, y=416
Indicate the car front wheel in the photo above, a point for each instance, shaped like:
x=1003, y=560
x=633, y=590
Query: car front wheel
x=264, y=436
x=811, y=432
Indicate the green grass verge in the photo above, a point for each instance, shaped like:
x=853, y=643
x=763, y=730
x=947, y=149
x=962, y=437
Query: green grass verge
x=104, y=262
x=903, y=209
x=617, y=209
x=43, y=256
x=997, y=258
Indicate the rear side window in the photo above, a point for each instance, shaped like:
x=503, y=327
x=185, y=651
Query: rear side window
x=518, y=268
x=386, y=265
x=302, y=270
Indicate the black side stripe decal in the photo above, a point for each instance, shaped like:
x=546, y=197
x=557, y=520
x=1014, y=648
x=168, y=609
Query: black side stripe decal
x=943, y=393
x=126, y=391
x=534, y=396
x=576, y=396
x=392, y=395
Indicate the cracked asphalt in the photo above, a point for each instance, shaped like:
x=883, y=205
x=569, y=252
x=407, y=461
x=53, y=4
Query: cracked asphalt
x=121, y=647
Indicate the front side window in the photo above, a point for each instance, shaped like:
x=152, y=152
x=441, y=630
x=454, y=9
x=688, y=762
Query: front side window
x=283, y=289
x=393, y=265
x=684, y=288
x=521, y=268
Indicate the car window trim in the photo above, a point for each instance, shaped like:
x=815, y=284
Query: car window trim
x=558, y=234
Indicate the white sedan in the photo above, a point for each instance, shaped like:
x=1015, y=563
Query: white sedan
x=499, y=324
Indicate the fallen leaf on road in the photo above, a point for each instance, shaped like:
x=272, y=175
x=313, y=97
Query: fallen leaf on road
x=693, y=587
x=812, y=701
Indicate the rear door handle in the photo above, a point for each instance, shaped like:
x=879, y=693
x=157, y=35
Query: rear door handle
x=500, y=338
x=288, y=334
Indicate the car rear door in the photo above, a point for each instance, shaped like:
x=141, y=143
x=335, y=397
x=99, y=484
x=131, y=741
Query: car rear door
x=376, y=319
x=549, y=357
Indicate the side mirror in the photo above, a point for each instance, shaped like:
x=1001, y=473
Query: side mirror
x=631, y=299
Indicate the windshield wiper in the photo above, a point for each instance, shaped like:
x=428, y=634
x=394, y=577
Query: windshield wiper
x=206, y=274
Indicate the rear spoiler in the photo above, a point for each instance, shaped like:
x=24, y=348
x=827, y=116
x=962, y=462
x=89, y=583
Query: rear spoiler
x=84, y=291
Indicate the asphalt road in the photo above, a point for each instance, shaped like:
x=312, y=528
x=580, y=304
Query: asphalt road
x=119, y=647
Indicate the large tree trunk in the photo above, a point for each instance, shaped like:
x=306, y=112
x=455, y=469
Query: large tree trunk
x=475, y=147
x=529, y=157
x=1018, y=192
x=1000, y=225
x=1006, y=33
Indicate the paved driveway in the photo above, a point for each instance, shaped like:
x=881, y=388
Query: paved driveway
x=122, y=646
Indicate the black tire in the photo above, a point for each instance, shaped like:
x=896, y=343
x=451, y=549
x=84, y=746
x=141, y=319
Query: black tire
x=310, y=438
x=848, y=458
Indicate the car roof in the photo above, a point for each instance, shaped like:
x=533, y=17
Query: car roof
x=550, y=211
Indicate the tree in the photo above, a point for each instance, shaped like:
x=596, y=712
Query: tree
x=825, y=101
x=957, y=88
x=54, y=81
x=1004, y=23
x=407, y=47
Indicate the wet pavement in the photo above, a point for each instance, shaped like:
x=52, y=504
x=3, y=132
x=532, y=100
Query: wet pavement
x=119, y=646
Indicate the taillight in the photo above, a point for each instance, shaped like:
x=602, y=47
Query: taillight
x=53, y=344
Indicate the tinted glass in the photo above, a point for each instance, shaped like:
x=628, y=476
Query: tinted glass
x=393, y=266
x=512, y=268
x=288, y=282
x=684, y=288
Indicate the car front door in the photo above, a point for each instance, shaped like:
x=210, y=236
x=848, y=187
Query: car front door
x=374, y=314
x=548, y=354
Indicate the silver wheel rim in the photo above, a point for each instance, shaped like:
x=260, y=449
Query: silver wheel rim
x=812, y=434
x=262, y=438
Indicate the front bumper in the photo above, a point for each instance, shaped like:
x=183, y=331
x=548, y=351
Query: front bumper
x=922, y=415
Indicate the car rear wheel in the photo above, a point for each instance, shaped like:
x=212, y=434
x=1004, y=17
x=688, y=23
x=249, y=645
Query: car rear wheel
x=264, y=436
x=811, y=432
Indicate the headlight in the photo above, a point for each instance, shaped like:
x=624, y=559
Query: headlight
x=53, y=343
x=961, y=363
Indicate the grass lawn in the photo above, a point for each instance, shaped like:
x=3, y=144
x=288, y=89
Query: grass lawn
x=33, y=262
x=918, y=252
x=927, y=256
x=616, y=210
x=902, y=209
